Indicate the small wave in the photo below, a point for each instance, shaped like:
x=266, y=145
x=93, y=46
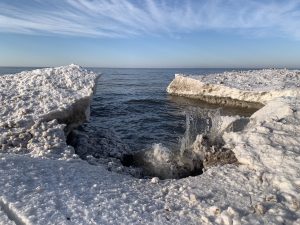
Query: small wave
x=146, y=101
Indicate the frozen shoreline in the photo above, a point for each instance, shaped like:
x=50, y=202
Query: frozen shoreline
x=251, y=89
x=39, y=189
x=39, y=107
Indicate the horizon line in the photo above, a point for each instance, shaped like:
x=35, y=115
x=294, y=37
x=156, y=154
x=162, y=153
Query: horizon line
x=105, y=67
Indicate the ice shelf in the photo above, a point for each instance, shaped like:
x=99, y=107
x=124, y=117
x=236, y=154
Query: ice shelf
x=244, y=89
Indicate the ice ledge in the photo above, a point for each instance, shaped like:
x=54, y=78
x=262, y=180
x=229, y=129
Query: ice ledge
x=244, y=89
x=36, y=104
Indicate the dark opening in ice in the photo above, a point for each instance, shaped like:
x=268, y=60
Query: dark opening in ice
x=201, y=147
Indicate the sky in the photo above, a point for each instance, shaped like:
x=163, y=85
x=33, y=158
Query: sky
x=150, y=33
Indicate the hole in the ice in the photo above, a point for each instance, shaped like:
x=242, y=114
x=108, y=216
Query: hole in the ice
x=201, y=147
x=162, y=163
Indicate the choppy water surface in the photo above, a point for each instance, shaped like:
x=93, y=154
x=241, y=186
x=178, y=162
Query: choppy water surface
x=135, y=104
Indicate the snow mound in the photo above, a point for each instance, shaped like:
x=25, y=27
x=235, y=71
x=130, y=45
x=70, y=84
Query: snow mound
x=38, y=107
x=270, y=144
x=245, y=88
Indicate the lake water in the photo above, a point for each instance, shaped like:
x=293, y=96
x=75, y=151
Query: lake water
x=135, y=105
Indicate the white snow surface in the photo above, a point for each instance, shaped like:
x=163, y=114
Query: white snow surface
x=32, y=103
x=256, y=86
x=36, y=188
x=271, y=144
x=256, y=80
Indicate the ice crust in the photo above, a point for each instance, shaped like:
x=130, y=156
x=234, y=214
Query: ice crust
x=38, y=107
x=36, y=188
x=271, y=144
x=245, y=88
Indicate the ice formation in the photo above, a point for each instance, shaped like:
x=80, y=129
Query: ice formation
x=38, y=107
x=36, y=188
x=270, y=144
x=246, y=88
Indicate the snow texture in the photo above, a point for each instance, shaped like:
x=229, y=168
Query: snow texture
x=246, y=88
x=274, y=131
x=38, y=107
x=36, y=188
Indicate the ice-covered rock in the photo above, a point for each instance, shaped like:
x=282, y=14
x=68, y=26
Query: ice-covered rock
x=39, y=107
x=246, y=88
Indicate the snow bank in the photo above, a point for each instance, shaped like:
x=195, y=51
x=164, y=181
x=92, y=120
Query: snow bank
x=43, y=191
x=270, y=144
x=245, y=88
x=38, y=107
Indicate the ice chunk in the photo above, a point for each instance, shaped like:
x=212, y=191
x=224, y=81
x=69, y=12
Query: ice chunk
x=35, y=104
x=245, y=89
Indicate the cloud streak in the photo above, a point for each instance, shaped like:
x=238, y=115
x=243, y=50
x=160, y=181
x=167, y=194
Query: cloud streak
x=129, y=18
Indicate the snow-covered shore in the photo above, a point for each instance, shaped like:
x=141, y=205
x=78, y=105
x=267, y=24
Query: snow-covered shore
x=38, y=107
x=36, y=188
x=244, y=89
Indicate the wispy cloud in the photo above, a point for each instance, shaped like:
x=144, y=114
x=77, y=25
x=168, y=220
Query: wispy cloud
x=115, y=18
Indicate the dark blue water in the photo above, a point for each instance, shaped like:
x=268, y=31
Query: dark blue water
x=135, y=105
x=12, y=70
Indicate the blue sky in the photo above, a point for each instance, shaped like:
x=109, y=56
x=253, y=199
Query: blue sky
x=150, y=33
